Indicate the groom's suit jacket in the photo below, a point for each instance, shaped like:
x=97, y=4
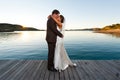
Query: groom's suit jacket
x=52, y=31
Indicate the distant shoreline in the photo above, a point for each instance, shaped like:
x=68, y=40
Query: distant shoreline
x=114, y=28
x=6, y=27
x=109, y=31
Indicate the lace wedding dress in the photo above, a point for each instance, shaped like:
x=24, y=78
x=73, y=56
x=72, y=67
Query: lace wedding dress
x=61, y=59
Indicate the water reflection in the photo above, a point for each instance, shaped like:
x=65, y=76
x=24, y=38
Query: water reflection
x=8, y=35
x=117, y=35
x=25, y=36
x=79, y=45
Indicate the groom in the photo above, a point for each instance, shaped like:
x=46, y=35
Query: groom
x=51, y=37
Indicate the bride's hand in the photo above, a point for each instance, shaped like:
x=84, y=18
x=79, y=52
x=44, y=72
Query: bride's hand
x=62, y=36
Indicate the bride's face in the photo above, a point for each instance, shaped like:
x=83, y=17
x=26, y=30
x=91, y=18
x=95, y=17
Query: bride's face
x=59, y=19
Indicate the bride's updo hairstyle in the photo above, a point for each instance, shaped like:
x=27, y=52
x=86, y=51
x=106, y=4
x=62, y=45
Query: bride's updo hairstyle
x=62, y=18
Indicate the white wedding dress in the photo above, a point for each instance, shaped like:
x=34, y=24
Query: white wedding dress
x=61, y=59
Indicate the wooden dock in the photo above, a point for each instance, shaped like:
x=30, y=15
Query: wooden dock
x=37, y=70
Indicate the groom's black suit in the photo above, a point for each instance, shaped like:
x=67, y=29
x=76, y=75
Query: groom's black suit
x=51, y=37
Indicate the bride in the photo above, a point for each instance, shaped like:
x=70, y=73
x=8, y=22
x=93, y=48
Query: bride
x=61, y=59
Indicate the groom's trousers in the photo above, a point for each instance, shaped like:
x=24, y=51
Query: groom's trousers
x=51, y=51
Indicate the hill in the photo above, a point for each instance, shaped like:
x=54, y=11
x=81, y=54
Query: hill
x=6, y=27
x=114, y=28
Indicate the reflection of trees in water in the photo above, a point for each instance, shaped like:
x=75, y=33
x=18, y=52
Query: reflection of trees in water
x=117, y=35
x=8, y=35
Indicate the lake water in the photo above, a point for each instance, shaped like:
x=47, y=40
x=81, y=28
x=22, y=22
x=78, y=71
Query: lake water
x=83, y=45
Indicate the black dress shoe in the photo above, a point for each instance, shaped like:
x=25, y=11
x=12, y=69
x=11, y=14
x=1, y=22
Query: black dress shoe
x=52, y=69
x=55, y=70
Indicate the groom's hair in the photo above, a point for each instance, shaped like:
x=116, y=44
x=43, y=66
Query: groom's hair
x=55, y=11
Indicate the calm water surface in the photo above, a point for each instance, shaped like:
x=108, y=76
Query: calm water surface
x=84, y=45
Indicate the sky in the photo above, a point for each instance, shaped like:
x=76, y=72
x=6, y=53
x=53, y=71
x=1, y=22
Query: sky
x=78, y=14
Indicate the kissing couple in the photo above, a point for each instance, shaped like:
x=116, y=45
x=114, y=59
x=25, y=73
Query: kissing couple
x=58, y=59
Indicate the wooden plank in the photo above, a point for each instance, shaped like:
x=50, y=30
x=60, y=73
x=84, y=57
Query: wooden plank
x=71, y=77
x=74, y=71
x=80, y=71
x=57, y=76
x=2, y=62
x=107, y=72
x=95, y=70
x=84, y=65
x=116, y=68
x=52, y=75
x=6, y=64
x=61, y=75
x=113, y=70
x=15, y=70
x=6, y=72
x=92, y=70
x=117, y=61
x=43, y=71
x=102, y=70
x=21, y=71
x=47, y=73
x=113, y=64
x=38, y=64
x=66, y=76
x=37, y=70
x=30, y=68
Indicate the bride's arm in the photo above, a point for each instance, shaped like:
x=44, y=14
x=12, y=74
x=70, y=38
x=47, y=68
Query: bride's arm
x=58, y=22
